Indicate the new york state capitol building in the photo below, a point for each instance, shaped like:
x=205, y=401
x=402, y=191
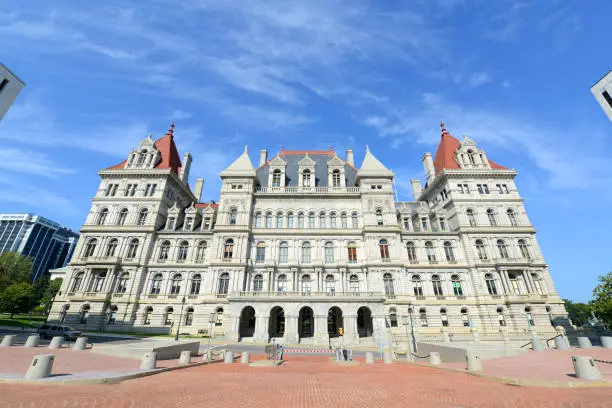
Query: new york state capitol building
x=306, y=243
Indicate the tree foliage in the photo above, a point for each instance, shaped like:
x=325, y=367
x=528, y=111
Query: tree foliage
x=577, y=312
x=17, y=298
x=47, y=298
x=602, y=299
x=14, y=268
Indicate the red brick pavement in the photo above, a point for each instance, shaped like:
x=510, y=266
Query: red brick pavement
x=304, y=382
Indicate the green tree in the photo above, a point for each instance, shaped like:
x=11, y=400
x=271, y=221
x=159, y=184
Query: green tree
x=17, y=298
x=602, y=299
x=577, y=312
x=47, y=298
x=14, y=268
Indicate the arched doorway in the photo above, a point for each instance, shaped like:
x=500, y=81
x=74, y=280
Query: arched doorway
x=334, y=321
x=246, y=326
x=306, y=322
x=276, y=328
x=364, y=322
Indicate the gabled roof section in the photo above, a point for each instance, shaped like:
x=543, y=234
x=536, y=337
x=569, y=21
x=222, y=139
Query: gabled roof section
x=241, y=167
x=206, y=205
x=372, y=167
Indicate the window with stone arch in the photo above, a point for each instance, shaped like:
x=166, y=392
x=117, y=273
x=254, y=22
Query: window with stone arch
x=379, y=216
x=322, y=223
x=491, y=217
x=470, y=154
x=122, y=216
x=465, y=317
x=77, y=281
x=260, y=252
x=196, y=283
x=142, y=216
x=164, y=250
x=306, y=284
x=480, y=249
x=444, y=317
x=102, y=215
x=388, y=284
x=343, y=220
x=393, y=317
x=500, y=317
x=523, y=249
x=330, y=284
x=269, y=220
x=456, y=284
x=423, y=317
x=471, y=217
x=201, y=251
x=183, y=251
x=529, y=315
x=491, y=285
x=306, y=182
x=142, y=157
x=276, y=178
x=283, y=252
x=306, y=252
x=156, y=284
x=329, y=252
x=431, y=252
x=449, y=253
x=336, y=178
x=228, y=249
x=133, y=248
x=383, y=246
x=148, y=316
x=352, y=252
x=354, y=284
x=224, y=280
x=501, y=249
x=168, y=316
x=511, y=217
x=122, y=283
x=175, y=285
x=282, y=283
x=90, y=248
x=411, y=249
x=112, y=315
x=355, y=220
x=279, y=220
x=233, y=216
x=258, y=220
x=85, y=314
x=258, y=283
x=289, y=220
x=301, y=220
x=332, y=220
x=537, y=283
x=189, y=317
x=111, y=247
x=436, y=283
x=417, y=285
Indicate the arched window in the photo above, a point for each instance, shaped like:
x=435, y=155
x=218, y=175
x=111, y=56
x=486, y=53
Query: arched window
x=290, y=220
x=491, y=216
x=183, y=249
x=523, y=249
x=444, y=317
x=332, y=220
x=417, y=286
x=354, y=283
x=269, y=220
x=471, y=217
x=282, y=283
x=133, y=248
x=148, y=316
x=379, y=217
x=322, y=223
x=465, y=317
x=175, y=287
x=306, y=178
x=352, y=252
x=189, y=317
x=196, y=282
x=258, y=283
x=336, y=178
x=449, y=252
x=431, y=253
x=142, y=216
x=122, y=216
x=168, y=316
x=223, y=283
x=301, y=220
x=388, y=284
x=228, y=249
x=311, y=220
x=411, y=252
x=383, y=246
x=77, y=281
x=164, y=250
x=343, y=220
x=329, y=252
x=437, y=285
x=276, y=178
x=491, y=286
x=260, y=255
x=480, y=249
x=456, y=284
x=123, y=281
x=537, y=283
x=219, y=313
x=355, y=220
x=142, y=156
x=306, y=252
x=201, y=251
x=279, y=220
x=64, y=313
x=306, y=285
x=500, y=317
x=514, y=285
x=283, y=252
x=156, y=283
x=233, y=215
x=529, y=315
x=90, y=248
x=84, y=314
x=258, y=220
x=501, y=248
x=393, y=317
x=511, y=217
x=471, y=157
x=330, y=284
x=102, y=216
x=111, y=248
x=423, y=317
x=112, y=315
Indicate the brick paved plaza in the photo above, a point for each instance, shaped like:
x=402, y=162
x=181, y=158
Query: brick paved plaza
x=304, y=382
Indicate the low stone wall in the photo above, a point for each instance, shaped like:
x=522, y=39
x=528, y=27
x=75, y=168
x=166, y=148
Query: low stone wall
x=456, y=352
x=166, y=350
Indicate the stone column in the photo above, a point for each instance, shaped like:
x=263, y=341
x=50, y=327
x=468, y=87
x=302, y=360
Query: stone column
x=320, y=329
x=261, y=328
x=506, y=278
x=291, y=326
x=350, y=330
x=233, y=324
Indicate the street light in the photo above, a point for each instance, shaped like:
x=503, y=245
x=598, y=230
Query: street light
x=414, y=346
x=178, y=329
x=211, y=320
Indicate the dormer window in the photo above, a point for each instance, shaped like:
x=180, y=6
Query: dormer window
x=276, y=178
x=336, y=178
x=306, y=178
x=142, y=157
x=471, y=157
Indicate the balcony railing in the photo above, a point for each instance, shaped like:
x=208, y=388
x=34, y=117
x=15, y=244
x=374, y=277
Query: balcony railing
x=307, y=190
x=305, y=294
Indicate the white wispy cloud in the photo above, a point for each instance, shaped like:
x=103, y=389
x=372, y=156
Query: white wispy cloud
x=24, y=161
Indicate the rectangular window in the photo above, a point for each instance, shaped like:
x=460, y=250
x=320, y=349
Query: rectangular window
x=407, y=224
x=424, y=223
x=442, y=224
x=485, y=188
x=188, y=223
x=261, y=254
x=605, y=95
x=466, y=188
x=479, y=187
x=460, y=188
x=171, y=223
x=499, y=189
x=505, y=189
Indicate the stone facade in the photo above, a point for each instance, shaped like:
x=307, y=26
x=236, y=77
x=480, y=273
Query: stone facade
x=306, y=244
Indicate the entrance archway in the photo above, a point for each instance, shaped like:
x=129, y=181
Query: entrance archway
x=276, y=328
x=364, y=322
x=306, y=322
x=334, y=321
x=246, y=326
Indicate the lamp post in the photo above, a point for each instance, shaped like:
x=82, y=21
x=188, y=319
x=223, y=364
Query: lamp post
x=414, y=346
x=211, y=320
x=178, y=329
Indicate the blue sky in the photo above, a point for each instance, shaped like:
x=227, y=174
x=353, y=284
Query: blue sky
x=513, y=75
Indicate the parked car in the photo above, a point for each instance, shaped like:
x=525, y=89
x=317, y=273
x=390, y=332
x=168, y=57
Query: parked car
x=49, y=331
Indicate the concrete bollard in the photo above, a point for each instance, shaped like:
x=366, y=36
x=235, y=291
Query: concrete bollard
x=80, y=344
x=56, y=342
x=245, y=357
x=585, y=368
x=561, y=343
x=149, y=361
x=9, y=340
x=387, y=357
x=32, y=341
x=369, y=357
x=584, y=342
x=229, y=357
x=185, y=357
x=446, y=337
x=606, y=341
x=536, y=344
x=40, y=367
x=474, y=363
x=208, y=356
x=475, y=336
x=434, y=358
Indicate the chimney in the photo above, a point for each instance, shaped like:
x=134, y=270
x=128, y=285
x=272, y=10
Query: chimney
x=197, y=190
x=350, y=159
x=416, y=188
x=263, y=157
x=430, y=172
x=184, y=173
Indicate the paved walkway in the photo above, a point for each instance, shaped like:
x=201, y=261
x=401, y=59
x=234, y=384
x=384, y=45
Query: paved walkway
x=304, y=382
